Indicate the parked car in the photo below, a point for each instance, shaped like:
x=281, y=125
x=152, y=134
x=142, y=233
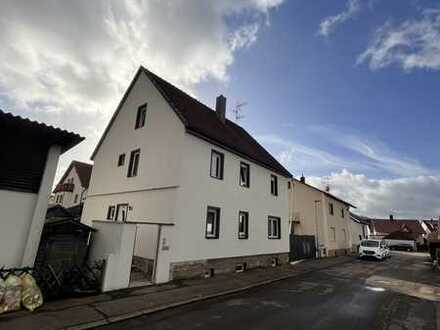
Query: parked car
x=374, y=248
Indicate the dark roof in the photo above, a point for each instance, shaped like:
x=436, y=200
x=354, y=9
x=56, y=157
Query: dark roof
x=83, y=170
x=404, y=235
x=360, y=219
x=326, y=193
x=389, y=226
x=39, y=131
x=202, y=121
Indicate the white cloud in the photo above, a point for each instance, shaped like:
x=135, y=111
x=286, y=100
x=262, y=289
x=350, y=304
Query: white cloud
x=414, y=44
x=374, y=153
x=67, y=63
x=329, y=24
x=410, y=197
x=357, y=154
x=406, y=188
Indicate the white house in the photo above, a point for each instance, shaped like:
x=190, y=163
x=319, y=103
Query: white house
x=321, y=215
x=205, y=196
x=29, y=156
x=72, y=188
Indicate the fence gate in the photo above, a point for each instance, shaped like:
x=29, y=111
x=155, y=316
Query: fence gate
x=302, y=247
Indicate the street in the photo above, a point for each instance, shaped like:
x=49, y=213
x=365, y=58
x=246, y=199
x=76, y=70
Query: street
x=399, y=293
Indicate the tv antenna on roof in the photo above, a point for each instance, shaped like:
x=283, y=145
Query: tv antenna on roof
x=238, y=110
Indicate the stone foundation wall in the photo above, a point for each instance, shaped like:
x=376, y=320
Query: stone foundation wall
x=339, y=252
x=200, y=268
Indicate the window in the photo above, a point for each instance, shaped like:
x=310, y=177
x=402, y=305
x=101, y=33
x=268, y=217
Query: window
x=217, y=160
x=244, y=175
x=134, y=163
x=333, y=233
x=61, y=199
x=274, y=185
x=75, y=200
x=121, y=212
x=212, y=222
x=274, y=228
x=140, y=117
x=121, y=159
x=111, y=212
x=344, y=235
x=289, y=185
x=330, y=206
x=243, y=225
x=342, y=212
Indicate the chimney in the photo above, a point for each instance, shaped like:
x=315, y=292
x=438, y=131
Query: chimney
x=327, y=188
x=220, y=108
x=391, y=217
x=303, y=179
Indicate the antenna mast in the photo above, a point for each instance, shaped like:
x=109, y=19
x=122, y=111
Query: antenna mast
x=238, y=111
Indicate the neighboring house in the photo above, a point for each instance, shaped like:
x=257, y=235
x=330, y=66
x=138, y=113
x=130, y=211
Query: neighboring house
x=359, y=228
x=380, y=228
x=430, y=226
x=29, y=154
x=318, y=213
x=206, y=196
x=72, y=188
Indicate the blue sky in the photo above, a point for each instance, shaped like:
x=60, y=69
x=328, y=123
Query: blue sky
x=344, y=91
x=316, y=92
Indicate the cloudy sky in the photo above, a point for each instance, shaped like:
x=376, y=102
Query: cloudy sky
x=345, y=92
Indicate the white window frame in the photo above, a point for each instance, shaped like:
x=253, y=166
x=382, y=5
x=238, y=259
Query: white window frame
x=273, y=185
x=133, y=165
x=243, y=216
x=214, y=232
x=217, y=164
x=273, y=227
x=245, y=182
x=333, y=234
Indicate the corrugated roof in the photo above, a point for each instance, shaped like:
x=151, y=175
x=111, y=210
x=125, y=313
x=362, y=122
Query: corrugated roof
x=49, y=134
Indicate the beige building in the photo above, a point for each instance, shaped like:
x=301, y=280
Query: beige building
x=317, y=213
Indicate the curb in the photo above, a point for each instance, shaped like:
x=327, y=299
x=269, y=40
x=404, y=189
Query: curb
x=123, y=317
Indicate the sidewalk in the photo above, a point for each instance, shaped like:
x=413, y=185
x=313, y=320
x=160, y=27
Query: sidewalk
x=88, y=312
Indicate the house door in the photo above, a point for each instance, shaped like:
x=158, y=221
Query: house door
x=121, y=212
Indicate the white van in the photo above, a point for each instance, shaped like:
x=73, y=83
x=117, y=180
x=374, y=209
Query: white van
x=374, y=248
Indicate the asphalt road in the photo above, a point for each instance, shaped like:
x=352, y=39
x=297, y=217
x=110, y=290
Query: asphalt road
x=399, y=293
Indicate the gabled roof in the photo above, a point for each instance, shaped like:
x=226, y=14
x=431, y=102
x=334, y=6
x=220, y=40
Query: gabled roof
x=326, y=193
x=48, y=135
x=389, y=226
x=83, y=170
x=202, y=121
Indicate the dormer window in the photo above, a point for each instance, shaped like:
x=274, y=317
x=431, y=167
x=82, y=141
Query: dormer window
x=140, y=117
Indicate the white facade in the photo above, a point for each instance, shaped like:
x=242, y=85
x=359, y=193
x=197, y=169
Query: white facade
x=76, y=196
x=22, y=218
x=174, y=186
x=310, y=211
